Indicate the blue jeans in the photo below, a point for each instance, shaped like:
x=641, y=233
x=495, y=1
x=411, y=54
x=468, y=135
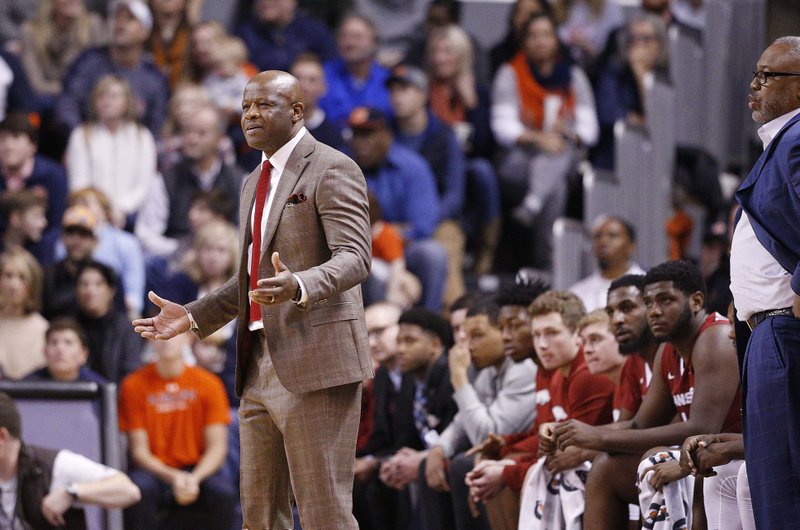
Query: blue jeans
x=427, y=260
x=213, y=509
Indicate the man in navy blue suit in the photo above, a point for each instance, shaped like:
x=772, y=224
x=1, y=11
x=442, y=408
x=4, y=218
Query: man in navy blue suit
x=765, y=282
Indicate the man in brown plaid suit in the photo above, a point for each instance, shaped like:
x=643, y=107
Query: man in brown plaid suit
x=302, y=342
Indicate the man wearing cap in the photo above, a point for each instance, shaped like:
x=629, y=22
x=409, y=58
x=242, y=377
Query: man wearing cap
x=302, y=346
x=422, y=132
x=405, y=188
x=22, y=168
x=79, y=235
x=130, y=25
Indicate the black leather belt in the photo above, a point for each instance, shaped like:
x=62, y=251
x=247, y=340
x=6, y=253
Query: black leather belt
x=761, y=316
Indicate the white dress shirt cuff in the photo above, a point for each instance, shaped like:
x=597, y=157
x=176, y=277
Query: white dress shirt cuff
x=193, y=327
x=303, y=292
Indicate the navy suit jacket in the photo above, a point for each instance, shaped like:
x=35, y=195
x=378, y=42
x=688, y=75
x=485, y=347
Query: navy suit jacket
x=771, y=197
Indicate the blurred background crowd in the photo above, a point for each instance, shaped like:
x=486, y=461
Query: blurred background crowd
x=122, y=157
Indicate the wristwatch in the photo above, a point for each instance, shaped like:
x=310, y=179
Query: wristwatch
x=72, y=490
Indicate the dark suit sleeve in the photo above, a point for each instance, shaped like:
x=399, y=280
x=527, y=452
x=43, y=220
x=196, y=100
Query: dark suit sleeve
x=794, y=182
x=341, y=199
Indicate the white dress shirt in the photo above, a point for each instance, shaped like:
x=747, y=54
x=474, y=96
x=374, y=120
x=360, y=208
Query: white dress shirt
x=593, y=290
x=278, y=160
x=758, y=281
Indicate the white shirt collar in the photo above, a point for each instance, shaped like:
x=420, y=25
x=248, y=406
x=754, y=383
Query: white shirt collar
x=769, y=130
x=280, y=157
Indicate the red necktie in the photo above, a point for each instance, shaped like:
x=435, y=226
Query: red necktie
x=262, y=190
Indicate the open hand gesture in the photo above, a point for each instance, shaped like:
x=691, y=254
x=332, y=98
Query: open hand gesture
x=170, y=322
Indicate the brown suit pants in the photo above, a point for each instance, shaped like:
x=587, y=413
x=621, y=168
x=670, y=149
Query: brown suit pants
x=300, y=445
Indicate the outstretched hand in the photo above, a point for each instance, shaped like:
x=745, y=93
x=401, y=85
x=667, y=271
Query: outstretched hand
x=170, y=322
x=280, y=288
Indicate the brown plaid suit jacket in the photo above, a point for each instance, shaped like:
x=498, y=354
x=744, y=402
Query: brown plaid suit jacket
x=325, y=240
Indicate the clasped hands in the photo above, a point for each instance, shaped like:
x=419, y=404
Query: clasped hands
x=402, y=468
x=573, y=433
x=185, y=488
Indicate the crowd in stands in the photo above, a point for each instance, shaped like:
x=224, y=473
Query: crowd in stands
x=121, y=164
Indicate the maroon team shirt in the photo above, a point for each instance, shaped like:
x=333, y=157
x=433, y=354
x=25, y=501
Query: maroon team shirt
x=581, y=396
x=633, y=383
x=679, y=376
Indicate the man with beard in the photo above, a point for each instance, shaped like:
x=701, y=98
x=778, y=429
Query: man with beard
x=765, y=282
x=575, y=393
x=626, y=310
x=695, y=378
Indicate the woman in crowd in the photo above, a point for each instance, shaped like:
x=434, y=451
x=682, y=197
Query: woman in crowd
x=620, y=84
x=114, y=348
x=21, y=325
x=459, y=101
x=61, y=30
x=204, y=40
x=212, y=260
x=111, y=151
x=543, y=114
x=170, y=39
x=521, y=11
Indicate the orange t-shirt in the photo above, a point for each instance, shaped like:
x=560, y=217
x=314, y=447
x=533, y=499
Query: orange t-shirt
x=387, y=244
x=174, y=412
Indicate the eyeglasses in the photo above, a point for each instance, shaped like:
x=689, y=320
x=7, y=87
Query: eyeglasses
x=763, y=76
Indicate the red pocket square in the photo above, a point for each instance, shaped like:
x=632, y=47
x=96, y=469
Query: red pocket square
x=296, y=198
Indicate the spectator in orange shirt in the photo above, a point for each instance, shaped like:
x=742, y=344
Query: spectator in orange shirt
x=176, y=418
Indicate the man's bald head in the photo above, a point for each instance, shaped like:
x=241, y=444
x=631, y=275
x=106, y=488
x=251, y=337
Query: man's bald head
x=272, y=110
x=283, y=82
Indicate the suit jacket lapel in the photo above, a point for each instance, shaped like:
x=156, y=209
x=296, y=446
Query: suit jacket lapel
x=297, y=162
x=752, y=177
